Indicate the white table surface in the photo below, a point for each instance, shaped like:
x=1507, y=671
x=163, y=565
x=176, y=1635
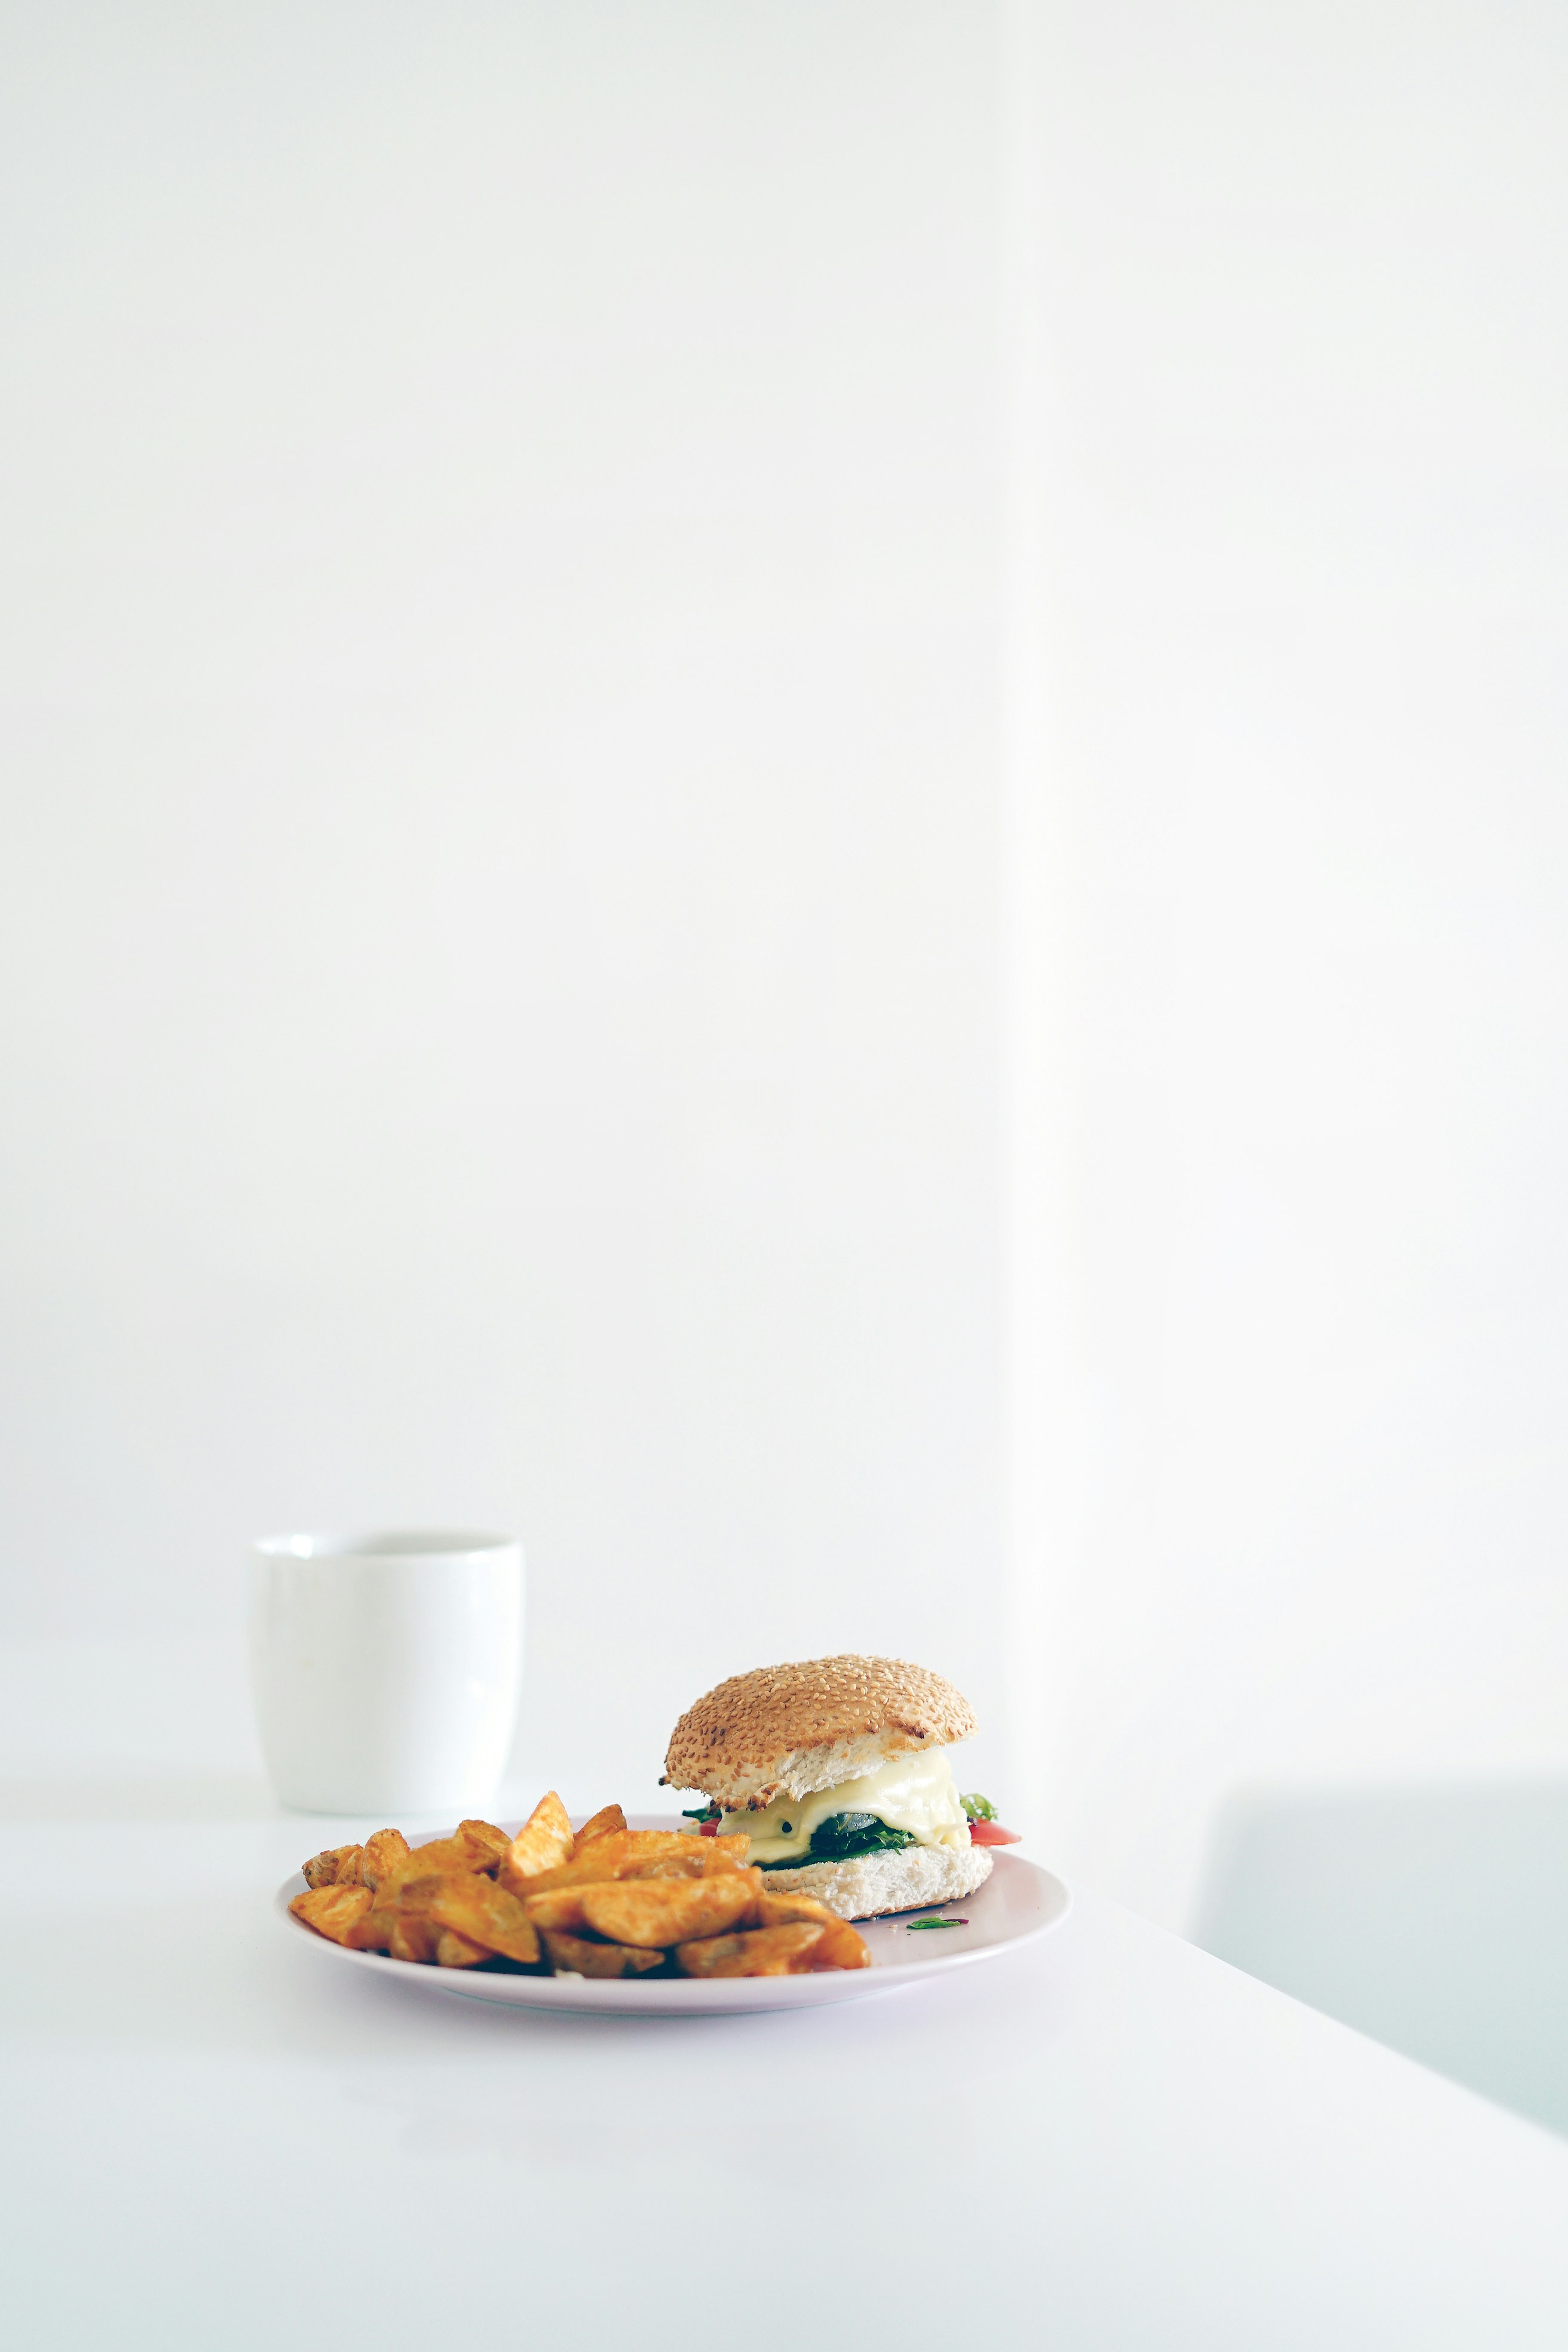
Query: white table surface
x=215, y=2139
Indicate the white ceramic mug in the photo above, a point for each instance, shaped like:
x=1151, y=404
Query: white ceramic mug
x=385, y=1668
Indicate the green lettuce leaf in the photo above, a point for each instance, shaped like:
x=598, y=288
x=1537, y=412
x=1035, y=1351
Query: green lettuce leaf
x=844, y=1836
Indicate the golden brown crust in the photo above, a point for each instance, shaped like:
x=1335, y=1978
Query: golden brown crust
x=795, y=1726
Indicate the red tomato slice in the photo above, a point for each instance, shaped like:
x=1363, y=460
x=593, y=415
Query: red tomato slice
x=707, y=1828
x=993, y=1833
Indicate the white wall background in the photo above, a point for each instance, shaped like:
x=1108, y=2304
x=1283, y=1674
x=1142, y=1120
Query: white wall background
x=1293, y=372
x=534, y=540
x=498, y=682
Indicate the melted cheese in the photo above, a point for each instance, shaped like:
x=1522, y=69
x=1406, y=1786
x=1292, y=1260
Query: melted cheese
x=911, y=1792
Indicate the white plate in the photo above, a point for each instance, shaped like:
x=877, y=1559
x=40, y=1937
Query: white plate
x=1017, y=1903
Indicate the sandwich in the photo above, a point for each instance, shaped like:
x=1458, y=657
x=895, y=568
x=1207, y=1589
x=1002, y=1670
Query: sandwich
x=838, y=1770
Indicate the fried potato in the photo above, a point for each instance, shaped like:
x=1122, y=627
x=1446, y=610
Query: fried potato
x=562, y=1907
x=788, y=1911
x=665, y=1911
x=412, y=1937
x=610, y=1902
x=601, y=1862
x=493, y=1844
x=372, y=1932
x=576, y=1955
x=765, y=1952
x=543, y=1842
x=841, y=1947
x=706, y=1859
x=339, y=1866
x=606, y=1823
x=332, y=1911
x=473, y=1905
x=380, y=1853
x=437, y=1859
x=620, y=1855
x=561, y=1912
x=454, y=1951
x=398, y=1898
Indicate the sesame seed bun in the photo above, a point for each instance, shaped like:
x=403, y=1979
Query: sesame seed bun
x=794, y=1729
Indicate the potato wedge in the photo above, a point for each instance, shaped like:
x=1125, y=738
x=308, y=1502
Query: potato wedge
x=665, y=1911
x=380, y=1853
x=575, y=1956
x=339, y=1866
x=596, y=1867
x=412, y=1937
x=608, y=1819
x=492, y=1844
x=765, y=1952
x=618, y=1855
x=437, y=1859
x=372, y=1932
x=562, y=1907
x=724, y=1853
x=841, y=1947
x=334, y=1911
x=789, y=1910
x=704, y=1861
x=562, y=1911
x=454, y=1951
x=543, y=1842
x=473, y=1905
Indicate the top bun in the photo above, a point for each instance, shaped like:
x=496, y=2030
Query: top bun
x=794, y=1729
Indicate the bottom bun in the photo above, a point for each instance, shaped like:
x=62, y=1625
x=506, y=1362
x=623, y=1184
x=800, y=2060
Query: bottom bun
x=901, y=1881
